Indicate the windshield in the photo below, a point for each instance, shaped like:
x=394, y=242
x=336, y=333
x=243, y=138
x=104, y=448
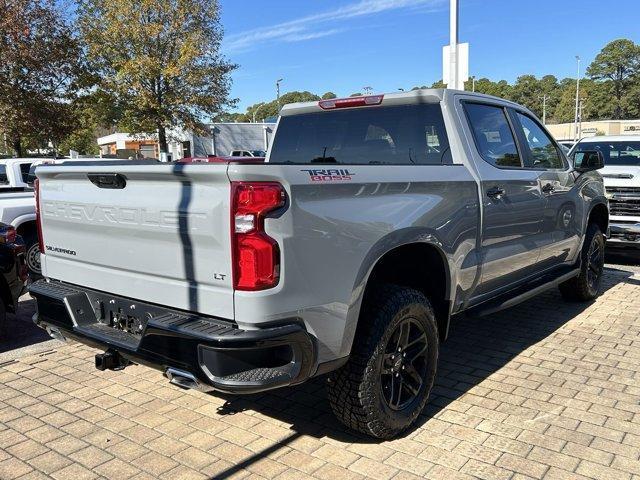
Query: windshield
x=373, y=135
x=614, y=153
x=258, y=153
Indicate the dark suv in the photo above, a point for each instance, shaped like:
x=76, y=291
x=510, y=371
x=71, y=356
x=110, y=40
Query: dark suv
x=14, y=272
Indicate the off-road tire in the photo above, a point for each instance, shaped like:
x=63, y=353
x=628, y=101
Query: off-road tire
x=355, y=390
x=579, y=288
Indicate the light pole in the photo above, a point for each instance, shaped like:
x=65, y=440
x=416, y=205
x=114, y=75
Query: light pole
x=278, y=91
x=580, y=116
x=544, y=99
x=473, y=83
x=576, y=133
x=255, y=112
x=367, y=90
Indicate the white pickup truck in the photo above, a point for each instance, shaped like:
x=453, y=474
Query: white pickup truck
x=17, y=204
x=621, y=174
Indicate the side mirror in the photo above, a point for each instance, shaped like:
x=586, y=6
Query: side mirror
x=588, y=161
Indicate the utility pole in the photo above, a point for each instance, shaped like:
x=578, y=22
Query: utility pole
x=473, y=83
x=544, y=99
x=278, y=91
x=577, y=133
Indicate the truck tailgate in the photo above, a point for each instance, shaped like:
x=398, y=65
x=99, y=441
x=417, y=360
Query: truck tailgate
x=158, y=232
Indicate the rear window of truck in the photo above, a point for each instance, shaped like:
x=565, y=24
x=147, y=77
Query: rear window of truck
x=401, y=135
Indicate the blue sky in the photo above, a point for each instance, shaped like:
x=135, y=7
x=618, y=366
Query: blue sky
x=343, y=46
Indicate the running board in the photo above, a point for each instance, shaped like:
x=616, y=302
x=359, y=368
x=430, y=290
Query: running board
x=519, y=295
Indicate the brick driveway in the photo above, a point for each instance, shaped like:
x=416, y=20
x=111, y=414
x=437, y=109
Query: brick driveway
x=547, y=389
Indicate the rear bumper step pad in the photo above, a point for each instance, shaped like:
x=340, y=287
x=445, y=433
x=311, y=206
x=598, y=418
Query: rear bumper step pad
x=217, y=353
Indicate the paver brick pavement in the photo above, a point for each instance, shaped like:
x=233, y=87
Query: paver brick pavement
x=547, y=389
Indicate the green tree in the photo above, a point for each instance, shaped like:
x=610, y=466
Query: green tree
x=263, y=110
x=40, y=64
x=618, y=63
x=329, y=96
x=160, y=59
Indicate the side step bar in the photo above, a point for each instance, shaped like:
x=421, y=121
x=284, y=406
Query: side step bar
x=519, y=295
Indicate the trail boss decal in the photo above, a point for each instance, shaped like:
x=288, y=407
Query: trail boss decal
x=329, y=174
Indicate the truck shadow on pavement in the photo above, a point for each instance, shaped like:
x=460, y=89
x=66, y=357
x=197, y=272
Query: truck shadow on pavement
x=21, y=331
x=476, y=349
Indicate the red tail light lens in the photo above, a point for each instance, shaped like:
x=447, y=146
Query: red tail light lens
x=256, y=256
x=36, y=186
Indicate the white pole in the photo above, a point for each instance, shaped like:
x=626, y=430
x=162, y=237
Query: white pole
x=544, y=108
x=577, y=133
x=453, y=44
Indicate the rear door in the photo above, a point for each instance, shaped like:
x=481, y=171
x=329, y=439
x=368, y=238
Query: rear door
x=160, y=235
x=511, y=198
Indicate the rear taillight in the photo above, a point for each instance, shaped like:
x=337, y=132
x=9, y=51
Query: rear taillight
x=351, y=102
x=256, y=256
x=36, y=187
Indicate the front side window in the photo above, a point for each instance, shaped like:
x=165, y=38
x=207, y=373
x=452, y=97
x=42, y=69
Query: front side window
x=543, y=151
x=493, y=135
x=401, y=135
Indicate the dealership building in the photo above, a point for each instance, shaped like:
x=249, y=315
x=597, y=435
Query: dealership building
x=222, y=139
x=566, y=131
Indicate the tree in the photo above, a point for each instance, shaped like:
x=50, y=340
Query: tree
x=263, y=110
x=40, y=64
x=329, y=96
x=618, y=63
x=160, y=59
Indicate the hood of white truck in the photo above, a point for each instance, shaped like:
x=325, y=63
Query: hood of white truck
x=621, y=176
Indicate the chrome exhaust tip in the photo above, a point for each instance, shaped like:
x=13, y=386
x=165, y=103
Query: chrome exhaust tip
x=55, y=333
x=183, y=379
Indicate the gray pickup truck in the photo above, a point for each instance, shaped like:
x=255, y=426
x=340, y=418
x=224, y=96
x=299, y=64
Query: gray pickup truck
x=373, y=221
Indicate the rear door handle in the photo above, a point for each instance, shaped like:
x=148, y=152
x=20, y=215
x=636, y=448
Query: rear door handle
x=548, y=188
x=495, y=192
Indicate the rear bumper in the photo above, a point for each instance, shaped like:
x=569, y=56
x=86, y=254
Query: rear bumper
x=624, y=234
x=214, y=352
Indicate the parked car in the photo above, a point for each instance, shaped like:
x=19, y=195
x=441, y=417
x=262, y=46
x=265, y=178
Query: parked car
x=374, y=221
x=621, y=174
x=13, y=272
x=567, y=143
x=17, y=204
x=248, y=153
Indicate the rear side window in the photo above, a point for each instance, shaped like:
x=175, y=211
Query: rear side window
x=3, y=175
x=493, y=135
x=542, y=151
x=402, y=135
x=24, y=170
